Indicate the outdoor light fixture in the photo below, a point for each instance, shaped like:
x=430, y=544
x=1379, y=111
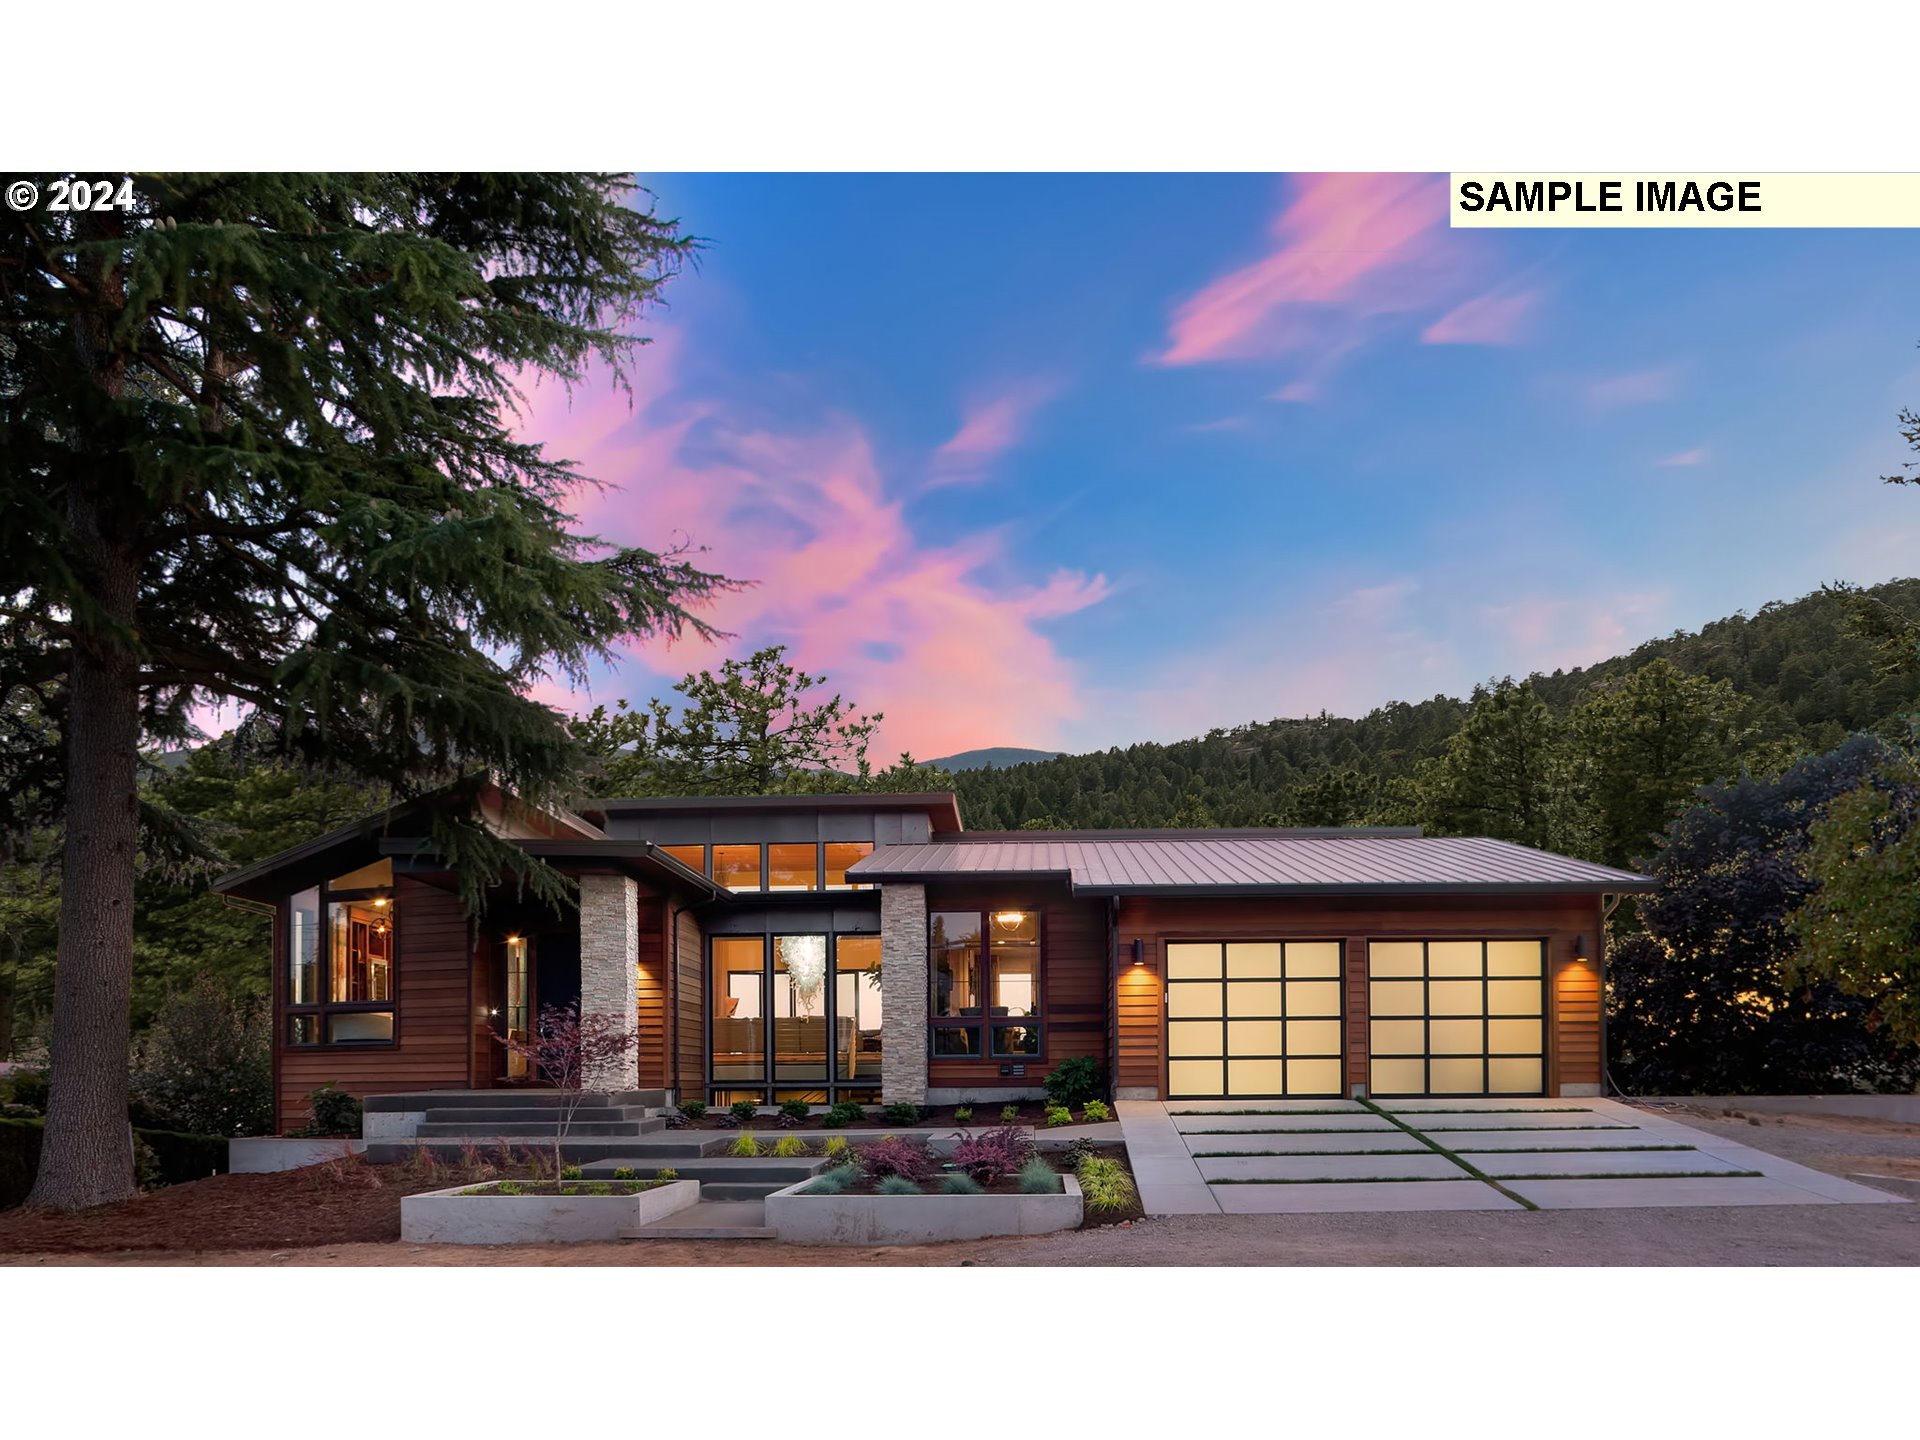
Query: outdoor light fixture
x=1580, y=949
x=380, y=904
x=1139, y=952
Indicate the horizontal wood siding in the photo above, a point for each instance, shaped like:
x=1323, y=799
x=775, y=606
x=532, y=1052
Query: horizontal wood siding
x=689, y=999
x=1073, y=979
x=650, y=962
x=1573, y=998
x=436, y=1016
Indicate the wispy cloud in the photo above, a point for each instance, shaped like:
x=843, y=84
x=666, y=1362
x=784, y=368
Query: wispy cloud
x=1637, y=387
x=1346, y=248
x=1499, y=317
x=989, y=427
x=1696, y=456
x=806, y=513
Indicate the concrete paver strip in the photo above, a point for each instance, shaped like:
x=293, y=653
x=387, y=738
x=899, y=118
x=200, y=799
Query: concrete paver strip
x=1307, y=1124
x=1358, y=1140
x=1653, y=1194
x=1421, y=1165
x=1361, y=1198
x=1599, y=1162
x=1473, y=1142
x=1574, y=1124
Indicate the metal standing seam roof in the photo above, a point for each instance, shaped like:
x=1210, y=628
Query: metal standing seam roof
x=1320, y=864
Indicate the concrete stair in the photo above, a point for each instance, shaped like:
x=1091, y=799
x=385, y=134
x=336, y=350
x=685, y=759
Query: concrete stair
x=709, y=1220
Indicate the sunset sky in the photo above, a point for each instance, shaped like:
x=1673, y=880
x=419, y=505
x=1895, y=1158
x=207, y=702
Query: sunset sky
x=1075, y=462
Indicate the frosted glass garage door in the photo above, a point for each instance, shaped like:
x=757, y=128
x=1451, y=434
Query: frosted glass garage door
x=1457, y=1017
x=1253, y=1019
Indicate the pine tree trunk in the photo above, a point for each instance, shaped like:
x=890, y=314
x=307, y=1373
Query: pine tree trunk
x=87, y=1157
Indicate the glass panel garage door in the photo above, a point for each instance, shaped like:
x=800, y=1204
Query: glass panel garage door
x=1457, y=1017
x=1253, y=1019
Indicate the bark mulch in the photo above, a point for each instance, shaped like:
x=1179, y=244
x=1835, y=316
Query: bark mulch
x=336, y=1203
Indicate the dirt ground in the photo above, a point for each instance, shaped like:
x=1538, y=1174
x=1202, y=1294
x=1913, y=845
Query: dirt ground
x=1870, y=1152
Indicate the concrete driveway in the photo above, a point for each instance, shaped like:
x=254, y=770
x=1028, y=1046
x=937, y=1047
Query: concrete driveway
x=1277, y=1157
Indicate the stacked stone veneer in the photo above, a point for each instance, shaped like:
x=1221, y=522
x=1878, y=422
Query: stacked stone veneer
x=903, y=992
x=609, y=955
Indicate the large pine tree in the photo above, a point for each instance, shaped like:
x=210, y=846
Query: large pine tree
x=256, y=446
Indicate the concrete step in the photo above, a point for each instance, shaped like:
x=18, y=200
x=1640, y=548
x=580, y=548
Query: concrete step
x=508, y=1099
x=709, y=1220
x=530, y=1115
x=534, y=1129
x=576, y=1150
x=741, y=1189
x=711, y=1170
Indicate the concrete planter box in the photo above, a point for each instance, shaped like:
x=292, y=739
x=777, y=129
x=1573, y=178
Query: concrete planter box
x=449, y=1217
x=918, y=1219
x=261, y=1154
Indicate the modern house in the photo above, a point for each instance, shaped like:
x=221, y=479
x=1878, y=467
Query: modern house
x=869, y=947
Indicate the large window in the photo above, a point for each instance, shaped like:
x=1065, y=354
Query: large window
x=986, y=999
x=795, y=1017
x=341, y=989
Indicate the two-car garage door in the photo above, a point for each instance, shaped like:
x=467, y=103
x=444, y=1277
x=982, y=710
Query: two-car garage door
x=1264, y=1019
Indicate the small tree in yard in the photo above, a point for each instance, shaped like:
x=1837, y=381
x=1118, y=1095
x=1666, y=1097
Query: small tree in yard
x=565, y=1048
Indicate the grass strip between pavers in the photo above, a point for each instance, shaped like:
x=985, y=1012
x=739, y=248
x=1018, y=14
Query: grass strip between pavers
x=1349, y=1180
x=1483, y=1110
x=1296, y=1154
x=1303, y=1130
x=1467, y=1165
x=1571, y=1149
x=1176, y=1114
x=1653, y=1175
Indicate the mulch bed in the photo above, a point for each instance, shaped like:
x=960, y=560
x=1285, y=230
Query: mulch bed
x=337, y=1203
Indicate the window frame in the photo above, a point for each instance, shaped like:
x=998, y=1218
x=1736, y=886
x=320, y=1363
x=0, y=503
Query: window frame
x=1485, y=1017
x=770, y=1088
x=986, y=1024
x=323, y=1011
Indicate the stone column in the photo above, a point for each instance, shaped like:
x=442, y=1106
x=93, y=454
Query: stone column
x=609, y=955
x=903, y=994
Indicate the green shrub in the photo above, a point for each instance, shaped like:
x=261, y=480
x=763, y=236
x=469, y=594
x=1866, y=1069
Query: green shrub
x=838, y=1150
x=832, y=1182
x=746, y=1147
x=962, y=1114
x=1105, y=1184
x=788, y=1146
x=896, y=1185
x=28, y=1088
x=205, y=1066
x=1075, y=1081
x=332, y=1112
x=571, y=1172
x=743, y=1111
x=1059, y=1115
x=795, y=1110
x=625, y=1172
x=902, y=1113
x=599, y=1187
x=1078, y=1150
x=666, y=1172
x=1037, y=1177
x=1096, y=1112
x=1009, y=1114
x=845, y=1113
x=694, y=1110
x=959, y=1183
x=508, y=1187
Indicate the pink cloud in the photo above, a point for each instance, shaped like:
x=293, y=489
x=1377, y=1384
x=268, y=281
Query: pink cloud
x=1550, y=632
x=1298, y=392
x=988, y=429
x=1638, y=387
x=1347, y=247
x=1499, y=317
x=945, y=638
x=1696, y=456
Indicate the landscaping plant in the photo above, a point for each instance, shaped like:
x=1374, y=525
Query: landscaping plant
x=788, y=1146
x=1075, y=1081
x=1059, y=1115
x=1037, y=1177
x=959, y=1183
x=832, y=1182
x=1105, y=1184
x=694, y=1109
x=564, y=1048
x=795, y=1111
x=625, y=1172
x=892, y=1155
x=1096, y=1112
x=666, y=1172
x=838, y=1150
x=332, y=1112
x=902, y=1113
x=1078, y=1150
x=746, y=1146
x=962, y=1114
x=844, y=1113
x=896, y=1185
x=993, y=1154
x=1009, y=1114
x=743, y=1111
x=206, y=1065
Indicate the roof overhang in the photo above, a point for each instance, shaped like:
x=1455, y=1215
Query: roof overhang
x=941, y=807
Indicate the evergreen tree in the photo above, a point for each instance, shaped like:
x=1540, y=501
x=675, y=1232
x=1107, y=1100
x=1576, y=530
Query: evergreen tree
x=1502, y=774
x=257, y=448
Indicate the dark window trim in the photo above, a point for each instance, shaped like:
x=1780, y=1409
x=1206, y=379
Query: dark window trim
x=1286, y=1056
x=986, y=1023
x=1486, y=1016
x=766, y=1086
x=324, y=1008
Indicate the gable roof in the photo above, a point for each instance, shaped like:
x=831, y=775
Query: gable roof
x=1225, y=863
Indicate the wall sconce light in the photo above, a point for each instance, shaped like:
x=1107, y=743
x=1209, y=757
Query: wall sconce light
x=494, y=1013
x=1139, y=952
x=1580, y=949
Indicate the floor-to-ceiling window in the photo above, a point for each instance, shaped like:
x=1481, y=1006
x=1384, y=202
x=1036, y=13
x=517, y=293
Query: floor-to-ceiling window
x=795, y=1017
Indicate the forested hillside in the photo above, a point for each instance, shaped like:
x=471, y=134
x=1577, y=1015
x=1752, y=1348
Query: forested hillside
x=1808, y=678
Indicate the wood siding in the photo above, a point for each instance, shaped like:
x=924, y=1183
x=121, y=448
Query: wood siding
x=689, y=1080
x=435, y=1014
x=1573, y=1032
x=1073, y=979
x=650, y=982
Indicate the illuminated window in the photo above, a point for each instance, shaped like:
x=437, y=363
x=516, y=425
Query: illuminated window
x=840, y=854
x=794, y=1016
x=1254, y=1018
x=342, y=959
x=694, y=857
x=1457, y=1017
x=737, y=866
x=518, y=993
x=793, y=867
x=988, y=999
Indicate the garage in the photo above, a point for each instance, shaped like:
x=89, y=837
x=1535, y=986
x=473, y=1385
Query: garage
x=1254, y=1019
x=1457, y=1017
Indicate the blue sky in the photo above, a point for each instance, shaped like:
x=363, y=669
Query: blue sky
x=1078, y=461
